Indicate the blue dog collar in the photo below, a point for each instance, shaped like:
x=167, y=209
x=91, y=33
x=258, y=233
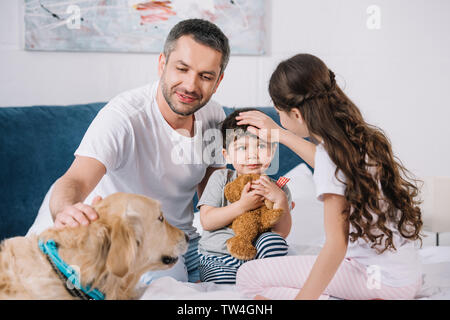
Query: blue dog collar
x=68, y=274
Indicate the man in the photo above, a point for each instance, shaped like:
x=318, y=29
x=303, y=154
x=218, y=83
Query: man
x=129, y=146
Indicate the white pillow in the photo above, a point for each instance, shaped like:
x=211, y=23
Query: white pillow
x=44, y=218
x=307, y=215
x=197, y=223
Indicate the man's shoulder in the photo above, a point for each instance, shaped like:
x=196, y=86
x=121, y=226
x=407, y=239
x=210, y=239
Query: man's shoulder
x=212, y=113
x=213, y=105
x=131, y=101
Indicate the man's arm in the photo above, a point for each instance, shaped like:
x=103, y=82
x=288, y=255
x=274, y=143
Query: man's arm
x=69, y=192
x=201, y=186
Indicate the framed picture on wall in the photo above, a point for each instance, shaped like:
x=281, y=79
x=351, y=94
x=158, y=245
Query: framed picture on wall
x=137, y=26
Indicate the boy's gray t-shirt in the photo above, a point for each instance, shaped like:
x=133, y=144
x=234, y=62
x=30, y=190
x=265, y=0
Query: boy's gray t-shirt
x=215, y=242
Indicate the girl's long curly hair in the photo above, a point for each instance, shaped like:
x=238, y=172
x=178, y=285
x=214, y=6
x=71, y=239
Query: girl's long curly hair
x=376, y=181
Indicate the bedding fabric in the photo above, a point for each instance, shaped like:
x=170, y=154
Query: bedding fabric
x=436, y=285
x=305, y=238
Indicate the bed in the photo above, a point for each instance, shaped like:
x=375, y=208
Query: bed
x=306, y=238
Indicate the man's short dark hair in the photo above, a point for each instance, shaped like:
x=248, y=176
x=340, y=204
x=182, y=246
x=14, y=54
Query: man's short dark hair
x=231, y=131
x=202, y=31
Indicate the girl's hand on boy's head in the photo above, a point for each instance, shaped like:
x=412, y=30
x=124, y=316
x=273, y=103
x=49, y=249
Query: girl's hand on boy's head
x=260, y=125
x=268, y=189
x=250, y=199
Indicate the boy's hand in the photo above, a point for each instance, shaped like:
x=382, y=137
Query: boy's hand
x=250, y=199
x=268, y=189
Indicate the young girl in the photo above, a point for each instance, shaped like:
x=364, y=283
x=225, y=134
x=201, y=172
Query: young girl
x=371, y=217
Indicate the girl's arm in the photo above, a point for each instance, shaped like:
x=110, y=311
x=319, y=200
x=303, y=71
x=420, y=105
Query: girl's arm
x=303, y=148
x=333, y=252
x=213, y=218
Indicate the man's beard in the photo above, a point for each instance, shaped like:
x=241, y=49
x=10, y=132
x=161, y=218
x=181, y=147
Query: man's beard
x=166, y=94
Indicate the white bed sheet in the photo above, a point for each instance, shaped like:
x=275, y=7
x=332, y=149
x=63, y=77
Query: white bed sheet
x=436, y=273
x=167, y=288
x=305, y=238
x=436, y=269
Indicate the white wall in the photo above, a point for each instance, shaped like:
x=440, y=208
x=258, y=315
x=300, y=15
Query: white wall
x=398, y=75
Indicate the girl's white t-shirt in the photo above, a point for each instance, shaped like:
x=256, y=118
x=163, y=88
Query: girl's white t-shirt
x=395, y=268
x=143, y=154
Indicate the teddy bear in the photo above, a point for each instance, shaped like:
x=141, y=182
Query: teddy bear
x=250, y=224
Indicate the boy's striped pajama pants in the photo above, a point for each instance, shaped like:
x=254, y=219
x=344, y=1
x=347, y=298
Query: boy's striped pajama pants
x=223, y=269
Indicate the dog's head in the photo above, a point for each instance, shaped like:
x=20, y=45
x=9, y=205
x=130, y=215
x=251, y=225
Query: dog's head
x=141, y=239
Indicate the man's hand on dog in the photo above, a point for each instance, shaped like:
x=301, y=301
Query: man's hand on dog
x=77, y=214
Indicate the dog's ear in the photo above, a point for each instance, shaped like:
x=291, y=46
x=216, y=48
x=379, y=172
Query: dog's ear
x=126, y=235
x=123, y=248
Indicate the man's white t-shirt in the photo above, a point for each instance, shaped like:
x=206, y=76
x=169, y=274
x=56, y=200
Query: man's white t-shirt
x=396, y=268
x=143, y=154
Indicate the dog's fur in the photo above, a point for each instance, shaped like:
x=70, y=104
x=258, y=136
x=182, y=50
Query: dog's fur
x=129, y=238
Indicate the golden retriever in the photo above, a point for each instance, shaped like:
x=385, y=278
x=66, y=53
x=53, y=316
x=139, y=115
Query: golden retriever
x=129, y=238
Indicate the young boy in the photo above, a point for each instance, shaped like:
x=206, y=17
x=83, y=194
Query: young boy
x=248, y=154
